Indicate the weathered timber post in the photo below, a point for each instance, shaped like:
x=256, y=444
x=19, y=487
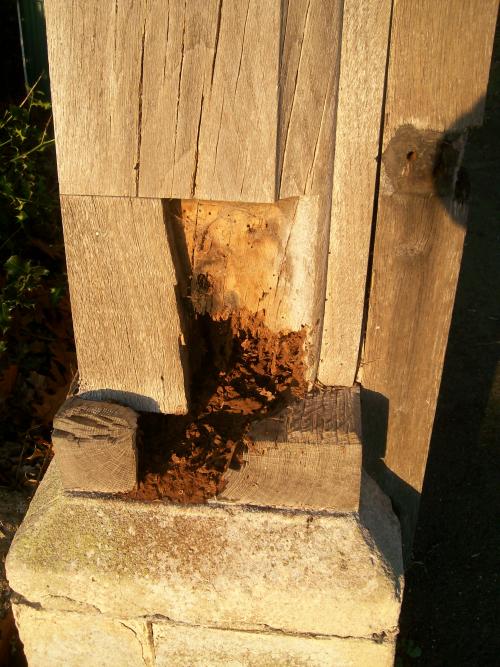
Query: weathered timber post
x=438, y=70
x=218, y=165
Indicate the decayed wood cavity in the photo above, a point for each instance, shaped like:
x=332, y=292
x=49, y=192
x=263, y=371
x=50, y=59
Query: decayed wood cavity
x=245, y=372
x=254, y=259
x=95, y=446
x=307, y=455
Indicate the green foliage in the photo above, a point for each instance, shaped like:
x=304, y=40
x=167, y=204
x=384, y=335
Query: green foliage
x=31, y=254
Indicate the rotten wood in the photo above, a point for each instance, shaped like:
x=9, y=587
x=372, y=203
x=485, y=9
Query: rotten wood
x=126, y=315
x=95, y=446
x=365, y=34
x=259, y=260
x=308, y=456
x=438, y=72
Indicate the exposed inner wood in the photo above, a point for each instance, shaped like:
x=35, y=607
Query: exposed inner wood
x=95, y=446
x=265, y=259
x=306, y=455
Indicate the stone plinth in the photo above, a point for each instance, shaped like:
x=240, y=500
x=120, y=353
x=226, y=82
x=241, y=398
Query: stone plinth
x=101, y=581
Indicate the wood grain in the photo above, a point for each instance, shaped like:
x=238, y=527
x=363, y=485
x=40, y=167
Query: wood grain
x=438, y=71
x=126, y=316
x=95, y=446
x=307, y=456
x=210, y=100
x=308, y=97
x=363, y=58
x=195, y=99
x=95, y=54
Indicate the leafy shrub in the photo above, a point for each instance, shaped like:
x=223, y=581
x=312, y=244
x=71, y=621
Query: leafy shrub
x=30, y=228
x=36, y=344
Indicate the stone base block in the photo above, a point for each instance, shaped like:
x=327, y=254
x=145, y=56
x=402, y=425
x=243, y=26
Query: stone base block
x=204, y=585
x=59, y=639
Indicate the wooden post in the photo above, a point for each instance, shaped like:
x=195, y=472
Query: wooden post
x=95, y=446
x=126, y=317
x=227, y=103
x=438, y=72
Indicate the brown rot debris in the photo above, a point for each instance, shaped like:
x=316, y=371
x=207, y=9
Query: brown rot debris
x=245, y=372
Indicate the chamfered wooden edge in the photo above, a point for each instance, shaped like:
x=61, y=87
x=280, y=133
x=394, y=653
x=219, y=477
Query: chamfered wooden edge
x=95, y=446
x=307, y=456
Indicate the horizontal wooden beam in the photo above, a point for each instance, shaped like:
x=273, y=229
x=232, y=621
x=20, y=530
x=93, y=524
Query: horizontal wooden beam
x=307, y=456
x=95, y=446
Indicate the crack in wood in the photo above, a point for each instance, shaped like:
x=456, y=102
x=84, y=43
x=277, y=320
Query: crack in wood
x=196, y=154
x=216, y=45
x=139, y=112
x=174, y=161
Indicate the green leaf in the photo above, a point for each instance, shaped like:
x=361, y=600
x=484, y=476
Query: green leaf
x=56, y=294
x=5, y=316
x=14, y=266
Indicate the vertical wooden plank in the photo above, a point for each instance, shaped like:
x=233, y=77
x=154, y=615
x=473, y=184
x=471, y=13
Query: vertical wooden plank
x=310, y=59
x=95, y=69
x=308, y=96
x=365, y=35
x=210, y=100
x=438, y=72
x=125, y=314
x=181, y=97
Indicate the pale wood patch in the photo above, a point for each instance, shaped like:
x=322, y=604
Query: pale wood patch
x=126, y=316
x=256, y=258
x=307, y=456
x=363, y=59
x=95, y=446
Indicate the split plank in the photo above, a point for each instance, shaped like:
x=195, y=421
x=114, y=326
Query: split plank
x=181, y=97
x=308, y=97
x=95, y=446
x=308, y=456
x=125, y=311
x=438, y=72
x=363, y=59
